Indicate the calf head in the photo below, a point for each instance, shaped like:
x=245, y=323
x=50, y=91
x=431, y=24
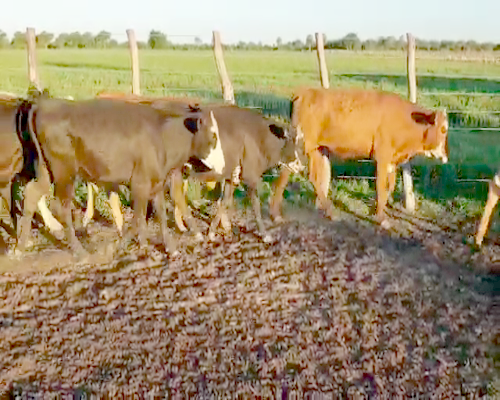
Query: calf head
x=292, y=154
x=206, y=144
x=435, y=137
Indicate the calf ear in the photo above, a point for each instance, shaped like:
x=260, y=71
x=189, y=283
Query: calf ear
x=423, y=118
x=277, y=131
x=191, y=124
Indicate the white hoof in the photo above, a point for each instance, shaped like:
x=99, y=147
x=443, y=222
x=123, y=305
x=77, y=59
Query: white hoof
x=278, y=220
x=175, y=254
x=14, y=254
x=267, y=238
x=85, y=221
x=385, y=224
x=58, y=234
x=198, y=237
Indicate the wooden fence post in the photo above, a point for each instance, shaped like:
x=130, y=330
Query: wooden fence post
x=409, y=196
x=134, y=58
x=323, y=70
x=227, y=87
x=32, y=67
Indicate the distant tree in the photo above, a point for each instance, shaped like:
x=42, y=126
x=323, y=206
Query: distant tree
x=61, y=41
x=18, y=40
x=369, y=45
x=297, y=45
x=279, y=42
x=4, y=41
x=43, y=39
x=157, y=40
x=446, y=45
x=472, y=45
x=102, y=40
x=434, y=45
x=488, y=46
x=309, y=42
x=198, y=41
x=351, y=42
x=75, y=39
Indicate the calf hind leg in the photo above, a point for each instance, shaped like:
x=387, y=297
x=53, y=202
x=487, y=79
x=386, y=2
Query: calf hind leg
x=223, y=205
x=258, y=217
x=65, y=192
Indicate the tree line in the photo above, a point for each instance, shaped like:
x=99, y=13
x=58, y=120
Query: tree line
x=159, y=40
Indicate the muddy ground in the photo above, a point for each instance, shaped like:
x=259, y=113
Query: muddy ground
x=338, y=307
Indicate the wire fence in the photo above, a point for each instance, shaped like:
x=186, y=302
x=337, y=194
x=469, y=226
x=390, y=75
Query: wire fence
x=467, y=85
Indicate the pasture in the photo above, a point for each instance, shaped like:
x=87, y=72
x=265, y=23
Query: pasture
x=339, y=307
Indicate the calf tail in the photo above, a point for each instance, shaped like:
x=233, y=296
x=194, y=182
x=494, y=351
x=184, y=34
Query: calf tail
x=43, y=167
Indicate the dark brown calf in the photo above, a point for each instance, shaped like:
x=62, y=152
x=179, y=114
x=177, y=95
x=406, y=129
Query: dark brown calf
x=113, y=143
x=251, y=144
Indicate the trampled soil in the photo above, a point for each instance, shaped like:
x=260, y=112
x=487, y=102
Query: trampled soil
x=338, y=307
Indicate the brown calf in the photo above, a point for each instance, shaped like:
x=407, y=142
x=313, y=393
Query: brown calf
x=113, y=143
x=356, y=124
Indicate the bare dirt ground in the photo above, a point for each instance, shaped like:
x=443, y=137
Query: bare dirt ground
x=335, y=307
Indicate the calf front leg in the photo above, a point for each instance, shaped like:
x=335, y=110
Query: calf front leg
x=258, y=217
x=382, y=194
x=493, y=196
x=320, y=176
x=161, y=211
x=181, y=211
x=223, y=205
x=277, y=198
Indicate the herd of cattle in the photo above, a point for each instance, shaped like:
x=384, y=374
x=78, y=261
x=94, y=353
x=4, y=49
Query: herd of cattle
x=147, y=144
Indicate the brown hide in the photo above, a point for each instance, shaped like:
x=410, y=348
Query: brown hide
x=11, y=151
x=357, y=124
x=112, y=143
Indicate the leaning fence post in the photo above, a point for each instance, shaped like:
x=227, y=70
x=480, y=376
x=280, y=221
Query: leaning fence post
x=409, y=196
x=323, y=70
x=134, y=58
x=32, y=67
x=227, y=88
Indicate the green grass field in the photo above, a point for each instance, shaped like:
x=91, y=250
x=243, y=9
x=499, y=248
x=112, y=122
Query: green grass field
x=267, y=79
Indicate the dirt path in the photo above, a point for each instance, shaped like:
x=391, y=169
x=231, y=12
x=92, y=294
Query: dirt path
x=337, y=307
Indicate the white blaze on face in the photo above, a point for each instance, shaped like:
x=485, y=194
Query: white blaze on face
x=438, y=152
x=48, y=219
x=215, y=159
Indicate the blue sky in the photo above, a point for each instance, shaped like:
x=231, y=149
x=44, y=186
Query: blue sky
x=260, y=20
